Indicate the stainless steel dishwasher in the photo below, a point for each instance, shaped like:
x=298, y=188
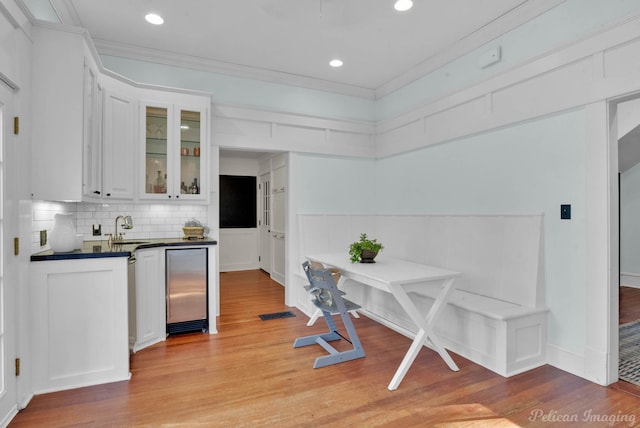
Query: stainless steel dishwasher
x=186, y=290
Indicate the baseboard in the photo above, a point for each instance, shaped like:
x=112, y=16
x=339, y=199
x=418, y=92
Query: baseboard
x=26, y=400
x=6, y=419
x=235, y=267
x=566, y=360
x=277, y=278
x=630, y=279
x=597, y=367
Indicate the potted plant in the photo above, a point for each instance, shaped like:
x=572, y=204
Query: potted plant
x=364, y=250
x=193, y=229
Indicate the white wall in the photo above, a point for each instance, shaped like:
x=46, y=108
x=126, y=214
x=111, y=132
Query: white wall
x=331, y=184
x=630, y=226
x=149, y=220
x=526, y=168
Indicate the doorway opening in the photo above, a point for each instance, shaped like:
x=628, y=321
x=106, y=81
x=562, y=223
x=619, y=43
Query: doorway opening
x=625, y=133
x=261, y=247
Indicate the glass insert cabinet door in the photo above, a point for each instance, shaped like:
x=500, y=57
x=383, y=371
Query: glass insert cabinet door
x=173, y=153
x=190, y=145
x=156, y=150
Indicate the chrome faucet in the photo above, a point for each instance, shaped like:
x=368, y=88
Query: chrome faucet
x=127, y=223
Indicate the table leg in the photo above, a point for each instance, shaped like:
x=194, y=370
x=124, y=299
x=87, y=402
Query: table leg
x=314, y=317
x=425, y=331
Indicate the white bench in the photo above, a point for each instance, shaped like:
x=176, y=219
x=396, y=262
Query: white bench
x=497, y=315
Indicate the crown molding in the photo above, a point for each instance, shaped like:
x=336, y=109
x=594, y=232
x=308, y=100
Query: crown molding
x=520, y=14
x=138, y=53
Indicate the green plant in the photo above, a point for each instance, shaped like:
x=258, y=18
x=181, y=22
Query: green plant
x=195, y=223
x=364, y=244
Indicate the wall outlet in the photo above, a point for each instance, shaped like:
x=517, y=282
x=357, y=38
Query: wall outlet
x=565, y=212
x=43, y=238
x=97, y=231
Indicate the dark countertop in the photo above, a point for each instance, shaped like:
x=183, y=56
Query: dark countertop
x=101, y=249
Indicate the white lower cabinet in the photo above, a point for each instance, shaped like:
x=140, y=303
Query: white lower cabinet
x=80, y=332
x=147, y=309
x=147, y=296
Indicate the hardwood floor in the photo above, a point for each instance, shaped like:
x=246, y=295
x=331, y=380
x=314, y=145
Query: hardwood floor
x=250, y=375
x=629, y=306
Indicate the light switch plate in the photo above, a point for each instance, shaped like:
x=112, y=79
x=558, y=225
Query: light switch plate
x=565, y=212
x=43, y=237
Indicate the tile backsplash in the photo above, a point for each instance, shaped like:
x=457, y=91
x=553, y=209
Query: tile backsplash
x=149, y=220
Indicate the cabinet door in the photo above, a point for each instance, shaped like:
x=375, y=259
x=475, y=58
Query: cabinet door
x=79, y=330
x=190, y=185
x=175, y=152
x=57, y=115
x=92, y=141
x=150, y=298
x=157, y=151
x=278, y=222
x=118, y=147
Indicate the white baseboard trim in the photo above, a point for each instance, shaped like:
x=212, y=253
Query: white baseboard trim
x=566, y=360
x=597, y=366
x=630, y=279
x=9, y=416
x=277, y=278
x=234, y=267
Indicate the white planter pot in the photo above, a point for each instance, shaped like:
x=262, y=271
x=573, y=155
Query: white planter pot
x=63, y=236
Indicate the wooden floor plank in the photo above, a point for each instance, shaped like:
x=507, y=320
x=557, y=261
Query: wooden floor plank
x=249, y=374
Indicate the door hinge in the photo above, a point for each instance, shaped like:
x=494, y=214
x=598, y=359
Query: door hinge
x=16, y=125
x=16, y=246
x=259, y=259
x=17, y=366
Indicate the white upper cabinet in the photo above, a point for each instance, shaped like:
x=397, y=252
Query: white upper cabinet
x=119, y=147
x=91, y=127
x=174, y=148
x=92, y=142
x=66, y=115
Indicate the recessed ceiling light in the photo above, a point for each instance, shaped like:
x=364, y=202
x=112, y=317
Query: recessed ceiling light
x=335, y=63
x=402, y=5
x=154, y=19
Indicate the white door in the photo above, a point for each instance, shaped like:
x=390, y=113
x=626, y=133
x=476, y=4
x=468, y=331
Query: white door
x=8, y=261
x=264, y=224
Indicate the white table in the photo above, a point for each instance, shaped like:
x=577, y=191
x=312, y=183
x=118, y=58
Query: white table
x=400, y=277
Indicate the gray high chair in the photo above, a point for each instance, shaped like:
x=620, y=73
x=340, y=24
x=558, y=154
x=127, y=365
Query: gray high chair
x=328, y=298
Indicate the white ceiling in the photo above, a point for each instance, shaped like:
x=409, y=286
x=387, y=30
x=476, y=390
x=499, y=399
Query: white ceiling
x=292, y=41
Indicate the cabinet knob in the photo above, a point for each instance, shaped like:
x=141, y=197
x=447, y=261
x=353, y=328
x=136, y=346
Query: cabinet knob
x=96, y=192
x=169, y=196
x=108, y=194
x=177, y=196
